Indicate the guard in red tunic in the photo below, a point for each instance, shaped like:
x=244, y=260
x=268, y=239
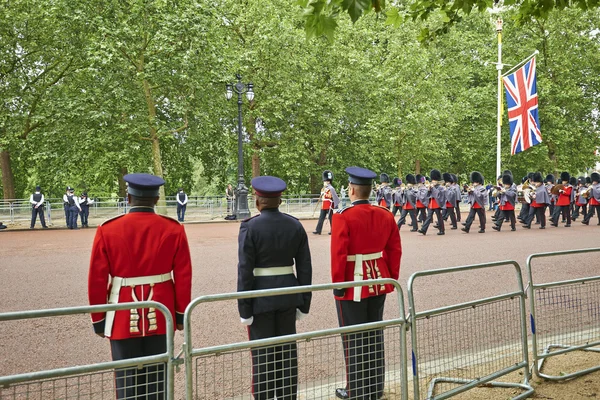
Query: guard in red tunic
x=437, y=203
x=365, y=245
x=594, y=199
x=144, y=256
x=564, y=201
x=329, y=201
x=478, y=199
x=508, y=196
x=540, y=200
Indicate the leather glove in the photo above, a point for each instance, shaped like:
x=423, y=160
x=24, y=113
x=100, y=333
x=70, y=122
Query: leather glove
x=299, y=314
x=247, y=321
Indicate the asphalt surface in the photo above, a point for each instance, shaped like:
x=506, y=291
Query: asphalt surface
x=42, y=269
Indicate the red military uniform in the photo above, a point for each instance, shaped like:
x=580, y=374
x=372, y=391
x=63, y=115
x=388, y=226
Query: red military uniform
x=564, y=199
x=140, y=244
x=373, y=230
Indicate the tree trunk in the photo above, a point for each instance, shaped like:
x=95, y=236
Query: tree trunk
x=255, y=163
x=417, y=167
x=122, y=185
x=8, y=179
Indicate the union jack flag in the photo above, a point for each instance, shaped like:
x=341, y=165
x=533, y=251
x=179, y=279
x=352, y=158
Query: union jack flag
x=522, y=101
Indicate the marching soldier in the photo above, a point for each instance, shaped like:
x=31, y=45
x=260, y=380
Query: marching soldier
x=451, y=196
x=84, y=203
x=508, y=197
x=384, y=193
x=182, y=200
x=437, y=203
x=397, y=198
x=580, y=200
x=525, y=206
x=594, y=199
x=329, y=202
x=269, y=246
x=456, y=187
x=540, y=200
x=410, y=203
x=549, y=185
x=369, y=234
x=422, y=198
x=564, y=201
x=37, y=207
x=148, y=258
x=477, y=200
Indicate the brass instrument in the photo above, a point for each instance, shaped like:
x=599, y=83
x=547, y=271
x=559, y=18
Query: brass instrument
x=524, y=194
x=586, y=193
x=497, y=191
x=557, y=188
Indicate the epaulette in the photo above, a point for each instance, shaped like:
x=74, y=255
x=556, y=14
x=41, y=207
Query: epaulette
x=249, y=218
x=290, y=216
x=169, y=218
x=341, y=210
x=112, y=219
x=384, y=208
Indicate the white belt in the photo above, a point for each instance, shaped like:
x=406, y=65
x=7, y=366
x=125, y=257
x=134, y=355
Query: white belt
x=118, y=283
x=273, y=271
x=358, y=269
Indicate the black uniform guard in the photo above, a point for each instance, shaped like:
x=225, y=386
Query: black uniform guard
x=84, y=203
x=37, y=207
x=269, y=246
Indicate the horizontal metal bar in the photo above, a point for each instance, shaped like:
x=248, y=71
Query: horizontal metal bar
x=82, y=369
x=569, y=376
x=469, y=304
x=563, y=283
x=582, y=347
x=296, y=337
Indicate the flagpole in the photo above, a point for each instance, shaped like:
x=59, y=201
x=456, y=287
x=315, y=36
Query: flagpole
x=499, y=122
x=519, y=65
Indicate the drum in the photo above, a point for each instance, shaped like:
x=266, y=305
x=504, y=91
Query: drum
x=557, y=188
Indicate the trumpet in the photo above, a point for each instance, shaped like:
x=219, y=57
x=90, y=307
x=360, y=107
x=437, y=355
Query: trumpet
x=586, y=193
x=497, y=191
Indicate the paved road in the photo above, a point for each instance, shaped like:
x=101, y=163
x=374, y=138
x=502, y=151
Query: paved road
x=46, y=269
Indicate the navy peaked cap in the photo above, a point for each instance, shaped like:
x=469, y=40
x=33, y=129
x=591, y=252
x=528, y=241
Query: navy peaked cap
x=268, y=186
x=361, y=176
x=143, y=185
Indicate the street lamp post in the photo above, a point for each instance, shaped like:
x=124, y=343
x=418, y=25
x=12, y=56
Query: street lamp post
x=241, y=191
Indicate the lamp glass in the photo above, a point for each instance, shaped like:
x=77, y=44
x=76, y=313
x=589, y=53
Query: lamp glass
x=250, y=95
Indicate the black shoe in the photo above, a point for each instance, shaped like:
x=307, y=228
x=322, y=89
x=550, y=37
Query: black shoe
x=542, y=227
x=494, y=219
x=441, y=233
x=513, y=229
x=316, y=233
x=341, y=393
x=466, y=230
x=567, y=225
x=526, y=226
x=585, y=223
x=537, y=223
x=436, y=226
x=422, y=232
x=414, y=230
x=31, y=227
x=553, y=224
x=481, y=231
x=45, y=227
x=463, y=223
x=496, y=228
x=329, y=233
x=454, y=227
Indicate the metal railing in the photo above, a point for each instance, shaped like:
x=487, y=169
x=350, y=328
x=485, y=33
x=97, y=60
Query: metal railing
x=225, y=371
x=93, y=380
x=565, y=315
x=461, y=346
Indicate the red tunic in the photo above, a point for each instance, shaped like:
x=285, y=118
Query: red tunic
x=420, y=204
x=564, y=199
x=448, y=205
x=135, y=245
x=433, y=204
x=365, y=229
x=507, y=207
x=476, y=205
x=408, y=206
x=594, y=202
x=327, y=200
x=535, y=204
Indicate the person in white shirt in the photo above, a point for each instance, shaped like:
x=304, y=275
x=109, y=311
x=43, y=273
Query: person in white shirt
x=74, y=209
x=182, y=200
x=66, y=205
x=84, y=204
x=37, y=207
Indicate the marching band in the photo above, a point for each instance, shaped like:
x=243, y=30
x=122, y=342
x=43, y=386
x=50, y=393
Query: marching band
x=421, y=198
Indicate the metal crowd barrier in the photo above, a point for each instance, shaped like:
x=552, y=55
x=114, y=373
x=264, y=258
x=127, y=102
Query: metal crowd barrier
x=461, y=346
x=565, y=315
x=225, y=371
x=93, y=380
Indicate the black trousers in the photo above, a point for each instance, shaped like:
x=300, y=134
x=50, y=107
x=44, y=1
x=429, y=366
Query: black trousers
x=440, y=220
x=181, y=211
x=539, y=213
x=457, y=210
x=524, y=210
x=67, y=213
x=34, y=214
x=508, y=215
x=450, y=212
x=564, y=210
x=324, y=214
x=421, y=214
x=576, y=210
x=363, y=351
x=551, y=208
x=413, y=218
x=590, y=214
x=85, y=212
x=147, y=383
x=275, y=368
x=395, y=209
x=481, y=213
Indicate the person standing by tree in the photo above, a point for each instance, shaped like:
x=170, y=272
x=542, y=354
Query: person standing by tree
x=229, y=194
x=37, y=207
x=182, y=200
